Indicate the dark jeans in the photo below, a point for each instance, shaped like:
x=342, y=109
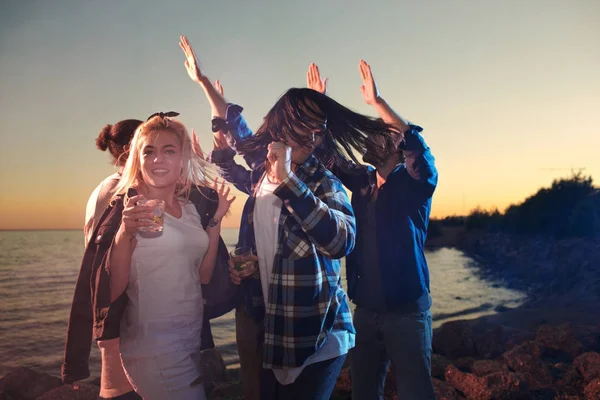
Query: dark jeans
x=127, y=396
x=316, y=382
x=405, y=339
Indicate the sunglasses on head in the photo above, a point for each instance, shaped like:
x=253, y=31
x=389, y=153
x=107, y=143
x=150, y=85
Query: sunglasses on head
x=168, y=114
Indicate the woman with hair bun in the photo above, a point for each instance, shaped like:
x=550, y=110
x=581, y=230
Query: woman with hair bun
x=114, y=138
x=113, y=382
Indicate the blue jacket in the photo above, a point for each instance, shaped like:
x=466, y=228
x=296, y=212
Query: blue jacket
x=402, y=210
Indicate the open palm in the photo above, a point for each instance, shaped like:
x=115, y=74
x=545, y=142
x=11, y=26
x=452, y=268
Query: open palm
x=314, y=81
x=192, y=65
x=369, y=87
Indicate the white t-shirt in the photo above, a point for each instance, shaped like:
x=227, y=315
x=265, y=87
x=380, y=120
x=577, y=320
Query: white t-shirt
x=97, y=203
x=267, y=210
x=165, y=308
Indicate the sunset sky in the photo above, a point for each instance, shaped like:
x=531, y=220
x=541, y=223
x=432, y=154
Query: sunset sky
x=508, y=92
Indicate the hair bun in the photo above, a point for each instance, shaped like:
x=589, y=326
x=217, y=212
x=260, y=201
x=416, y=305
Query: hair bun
x=104, y=137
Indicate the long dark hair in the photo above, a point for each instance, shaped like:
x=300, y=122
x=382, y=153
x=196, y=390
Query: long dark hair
x=343, y=129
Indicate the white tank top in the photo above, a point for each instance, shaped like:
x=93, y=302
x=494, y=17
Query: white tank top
x=165, y=308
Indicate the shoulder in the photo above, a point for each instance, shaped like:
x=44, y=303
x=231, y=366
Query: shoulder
x=206, y=201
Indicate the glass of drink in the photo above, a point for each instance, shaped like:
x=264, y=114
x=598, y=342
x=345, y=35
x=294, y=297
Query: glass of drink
x=158, y=209
x=242, y=258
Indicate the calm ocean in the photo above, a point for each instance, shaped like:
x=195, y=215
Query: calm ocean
x=38, y=270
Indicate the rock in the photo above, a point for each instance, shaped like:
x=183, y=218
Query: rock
x=527, y=360
x=25, y=383
x=444, y=391
x=490, y=344
x=530, y=368
x=454, y=339
x=465, y=364
x=588, y=365
x=497, y=386
x=518, y=339
x=77, y=391
x=592, y=390
x=486, y=367
x=438, y=365
x=560, y=339
x=569, y=382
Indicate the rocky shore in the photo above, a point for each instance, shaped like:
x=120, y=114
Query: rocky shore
x=547, y=349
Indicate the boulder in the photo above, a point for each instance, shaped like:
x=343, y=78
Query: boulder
x=526, y=360
x=592, y=390
x=444, y=391
x=454, y=339
x=438, y=365
x=560, y=339
x=487, y=367
x=27, y=384
x=496, y=386
x=76, y=391
x=588, y=365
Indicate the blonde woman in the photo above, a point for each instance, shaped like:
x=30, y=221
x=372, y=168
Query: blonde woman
x=146, y=289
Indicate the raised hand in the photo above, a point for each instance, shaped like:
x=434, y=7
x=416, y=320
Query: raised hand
x=280, y=158
x=192, y=65
x=196, y=146
x=314, y=81
x=219, y=87
x=369, y=87
x=224, y=199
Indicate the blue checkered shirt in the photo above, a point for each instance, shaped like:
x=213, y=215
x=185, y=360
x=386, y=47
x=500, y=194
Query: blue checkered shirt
x=317, y=227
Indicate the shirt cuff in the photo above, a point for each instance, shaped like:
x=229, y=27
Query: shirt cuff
x=290, y=188
x=413, y=141
x=221, y=155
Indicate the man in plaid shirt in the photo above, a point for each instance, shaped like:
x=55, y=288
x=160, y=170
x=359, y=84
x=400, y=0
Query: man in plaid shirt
x=299, y=221
x=316, y=228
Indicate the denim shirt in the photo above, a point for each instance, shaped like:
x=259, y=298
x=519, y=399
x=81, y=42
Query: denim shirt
x=402, y=212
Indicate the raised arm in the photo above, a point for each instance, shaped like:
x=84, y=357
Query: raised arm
x=325, y=215
x=373, y=98
x=194, y=69
x=420, y=163
x=354, y=177
x=213, y=230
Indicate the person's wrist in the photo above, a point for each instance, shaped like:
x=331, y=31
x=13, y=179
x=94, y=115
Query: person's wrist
x=204, y=81
x=123, y=235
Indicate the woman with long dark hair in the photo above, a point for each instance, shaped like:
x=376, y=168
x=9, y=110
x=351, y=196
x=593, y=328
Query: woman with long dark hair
x=299, y=222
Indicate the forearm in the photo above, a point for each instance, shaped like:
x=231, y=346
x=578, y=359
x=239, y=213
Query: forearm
x=420, y=163
x=217, y=101
x=328, y=221
x=210, y=258
x=120, y=263
x=232, y=172
x=389, y=116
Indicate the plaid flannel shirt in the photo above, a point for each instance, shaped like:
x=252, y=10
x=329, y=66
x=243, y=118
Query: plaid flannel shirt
x=316, y=228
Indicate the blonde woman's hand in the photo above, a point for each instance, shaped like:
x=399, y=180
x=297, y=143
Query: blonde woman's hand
x=135, y=216
x=314, y=81
x=225, y=199
x=196, y=146
x=192, y=65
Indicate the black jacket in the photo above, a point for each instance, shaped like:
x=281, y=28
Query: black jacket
x=92, y=313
